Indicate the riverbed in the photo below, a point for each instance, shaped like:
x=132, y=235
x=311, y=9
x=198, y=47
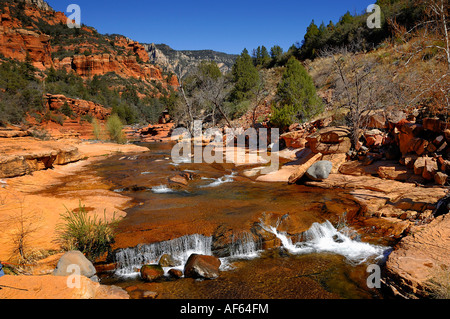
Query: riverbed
x=311, y=249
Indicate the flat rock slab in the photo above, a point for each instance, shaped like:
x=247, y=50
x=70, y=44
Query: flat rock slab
x=420, y=257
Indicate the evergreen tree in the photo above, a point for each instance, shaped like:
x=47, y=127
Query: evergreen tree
x=297, y=91
x=265, y=57
x=275, y=52
x=245, y=77
x=310, y=42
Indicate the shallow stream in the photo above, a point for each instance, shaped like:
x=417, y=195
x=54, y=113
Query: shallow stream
x=316, y=252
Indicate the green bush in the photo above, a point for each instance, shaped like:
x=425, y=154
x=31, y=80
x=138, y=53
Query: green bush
x=283, y=117
x=297, y=90
x=67, y=110
x=90, y=235
x=96, y=129
x=115, y=129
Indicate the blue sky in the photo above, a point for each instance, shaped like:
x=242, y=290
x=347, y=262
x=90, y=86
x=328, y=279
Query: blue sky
x=228, y=26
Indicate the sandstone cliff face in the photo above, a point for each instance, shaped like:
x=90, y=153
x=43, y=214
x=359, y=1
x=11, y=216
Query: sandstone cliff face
x=25, y=35
x=182, y=62
x=79, y=107
x=41, y=4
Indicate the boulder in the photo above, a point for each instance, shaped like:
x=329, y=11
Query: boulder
x=175, y=273
x=319, y=170
x=167, y=260
x=376, y=119
x=178, y=180
x=430, y=168
x=151, y=272
x=74, y=257
x=419, y=165
x=202, y=266
x=330, y=140
x=337, y=160
x=440, y=178
x=294, y=139
x=301, y=169
x=374, y=138
x=409, y=160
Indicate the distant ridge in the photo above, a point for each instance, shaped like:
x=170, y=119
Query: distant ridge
x=183, y=61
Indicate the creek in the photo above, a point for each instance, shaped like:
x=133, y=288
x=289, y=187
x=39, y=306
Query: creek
x=275, y=241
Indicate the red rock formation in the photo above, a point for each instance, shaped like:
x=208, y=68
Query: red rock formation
x=21, y=42
x=79, y=107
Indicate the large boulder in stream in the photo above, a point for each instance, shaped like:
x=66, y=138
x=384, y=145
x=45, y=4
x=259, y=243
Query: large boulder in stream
x=202, y=266
x=151, y=272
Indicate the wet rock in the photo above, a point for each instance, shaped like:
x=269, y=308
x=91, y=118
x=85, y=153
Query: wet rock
x=319, y=170
x=179, y=180
x=175, y=273
x=221, y=241
x=151, y=272
x=105, y=267
x=66, y=262
x=167, y=260
x=202, y=266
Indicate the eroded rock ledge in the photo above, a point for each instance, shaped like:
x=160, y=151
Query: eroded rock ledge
x=22, y=156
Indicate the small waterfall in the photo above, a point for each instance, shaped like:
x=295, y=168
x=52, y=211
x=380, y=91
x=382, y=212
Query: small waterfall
x=129, y=259
x=245, y=246
x=326, y=238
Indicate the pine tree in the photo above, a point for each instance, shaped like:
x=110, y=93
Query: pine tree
x=245, y=77
x=275, y=52
x=297, y=90
x=310, y=42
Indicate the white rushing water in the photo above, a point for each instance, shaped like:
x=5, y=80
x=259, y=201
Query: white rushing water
x=320, y=238
x=162, y=189
x=326, y=238
x=130, y=259
x=221, y=180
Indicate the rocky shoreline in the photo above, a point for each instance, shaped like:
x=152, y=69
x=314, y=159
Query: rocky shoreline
x=31, y=169
x=400, y=209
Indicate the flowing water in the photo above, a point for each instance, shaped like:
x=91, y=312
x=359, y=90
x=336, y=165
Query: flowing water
x=319, y=254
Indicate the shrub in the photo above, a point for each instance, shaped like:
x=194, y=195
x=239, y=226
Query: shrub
x=96, y=129
x=90, y=235
x=283, y=117
x=115, y=127
x=297, y=90
x=67, y=110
